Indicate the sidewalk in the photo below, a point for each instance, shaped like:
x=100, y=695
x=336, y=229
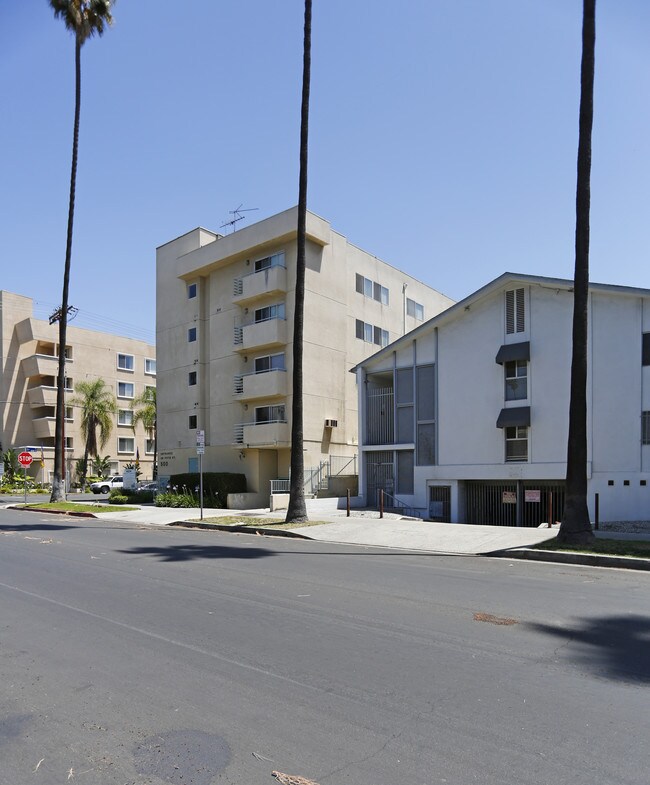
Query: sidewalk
x=366, y=528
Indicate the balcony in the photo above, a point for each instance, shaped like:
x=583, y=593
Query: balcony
x=261, y=335
x=44, y=427
x=41, y=396
x=264, y=434
x=40, y=365
x=271, y=281
x=36, y=330
x=272, y=384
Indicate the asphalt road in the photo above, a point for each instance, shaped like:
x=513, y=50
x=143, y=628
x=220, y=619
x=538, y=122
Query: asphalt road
x=153, y=655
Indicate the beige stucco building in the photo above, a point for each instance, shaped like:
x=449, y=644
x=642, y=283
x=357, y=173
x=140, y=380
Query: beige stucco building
x=224, y=330
x=28, y=387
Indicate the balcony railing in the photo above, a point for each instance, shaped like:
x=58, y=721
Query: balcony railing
x=264, y=384
x=272, y=280
x=258, y=335
x=271, y=433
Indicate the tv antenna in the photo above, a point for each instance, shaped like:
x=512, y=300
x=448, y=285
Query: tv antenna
x=237, y=216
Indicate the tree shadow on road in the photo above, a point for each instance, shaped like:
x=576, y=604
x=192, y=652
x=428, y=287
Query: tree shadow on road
x=191, y=552
x=33, y=527
x=613, y=647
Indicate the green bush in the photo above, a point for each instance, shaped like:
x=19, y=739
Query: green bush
x=118, y=498
x=215, y=484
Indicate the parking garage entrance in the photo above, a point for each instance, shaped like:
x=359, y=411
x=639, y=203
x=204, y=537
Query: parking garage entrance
x=513, y=503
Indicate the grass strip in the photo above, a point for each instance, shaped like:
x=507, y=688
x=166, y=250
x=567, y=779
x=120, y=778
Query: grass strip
x=606, y=547
x=77, y=507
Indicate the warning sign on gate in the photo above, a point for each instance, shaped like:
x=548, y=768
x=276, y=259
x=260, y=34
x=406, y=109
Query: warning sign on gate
x=532, y=496
x=509, y=497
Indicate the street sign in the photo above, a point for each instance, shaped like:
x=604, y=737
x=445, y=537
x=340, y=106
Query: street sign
x=200, y=438
x=25, y=459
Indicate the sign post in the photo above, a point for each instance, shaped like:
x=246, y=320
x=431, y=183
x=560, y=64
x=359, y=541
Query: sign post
x=25, y=459
x=200, y=451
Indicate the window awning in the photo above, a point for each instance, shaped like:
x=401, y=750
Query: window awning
x=519, y=415
x=513, y=351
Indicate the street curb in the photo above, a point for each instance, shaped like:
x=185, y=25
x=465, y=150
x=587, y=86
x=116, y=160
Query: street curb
x=568, y=557
x=53, y=512
x=240, y=529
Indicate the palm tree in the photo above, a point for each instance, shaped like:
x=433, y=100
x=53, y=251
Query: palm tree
x=297, y=509
x=84, y=18
x=98, y=407
x=146, y=413
x=102, y=466
x=576, y=526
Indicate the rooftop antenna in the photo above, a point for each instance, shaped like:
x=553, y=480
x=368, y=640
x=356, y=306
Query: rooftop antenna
x=237, y=216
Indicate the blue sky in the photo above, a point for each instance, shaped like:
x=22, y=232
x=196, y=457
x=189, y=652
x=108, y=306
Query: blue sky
x=443, y=139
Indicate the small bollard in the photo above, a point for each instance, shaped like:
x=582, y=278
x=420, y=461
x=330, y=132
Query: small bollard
x=348, y=504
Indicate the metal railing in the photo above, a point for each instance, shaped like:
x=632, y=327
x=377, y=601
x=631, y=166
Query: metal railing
x=238, y=429
x=379, y=416
x=393, y=504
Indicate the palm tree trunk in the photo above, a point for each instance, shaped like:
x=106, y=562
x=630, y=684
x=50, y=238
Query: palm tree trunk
x=297, y=509
x=58, y=489
x=576, y=526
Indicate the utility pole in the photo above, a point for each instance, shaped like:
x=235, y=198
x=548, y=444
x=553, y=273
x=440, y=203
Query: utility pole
x=55, y=317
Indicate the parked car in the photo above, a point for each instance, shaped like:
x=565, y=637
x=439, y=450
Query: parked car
x=148, y=486
x=107, y=484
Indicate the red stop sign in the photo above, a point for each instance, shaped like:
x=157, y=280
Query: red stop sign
x=25, y=459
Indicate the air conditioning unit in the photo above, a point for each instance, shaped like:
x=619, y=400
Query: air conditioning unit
x=331, y=423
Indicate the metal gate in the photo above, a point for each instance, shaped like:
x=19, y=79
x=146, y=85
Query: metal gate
x=380, y=474
x=440, y=503
x=515, y=503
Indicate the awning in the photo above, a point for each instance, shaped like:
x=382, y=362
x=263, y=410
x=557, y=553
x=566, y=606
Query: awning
x=513, y=351
x=515, y=416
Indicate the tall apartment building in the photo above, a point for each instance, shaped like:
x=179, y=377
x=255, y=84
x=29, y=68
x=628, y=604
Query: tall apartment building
x=28, y=387
x=224, y=330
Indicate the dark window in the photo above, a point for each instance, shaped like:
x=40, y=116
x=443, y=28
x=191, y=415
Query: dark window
x=404, y=471
x=191, y=378
x=645, y=427
x=516, y=373
x=191, y=335
x=191, y=291
x=645, y=349
x=359, y=328
x=516, y=443
x=192, y=422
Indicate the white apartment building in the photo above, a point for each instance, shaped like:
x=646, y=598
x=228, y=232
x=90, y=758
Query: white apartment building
x=465, y=419
x=28, y=387
x=224, y=337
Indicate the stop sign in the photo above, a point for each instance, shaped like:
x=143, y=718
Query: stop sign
x=25, y=459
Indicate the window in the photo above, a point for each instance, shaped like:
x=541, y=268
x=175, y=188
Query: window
x=645, y=427
x=371, y=289
x=515, y=321
x=645, y=349
x=125, y=417
x=270, y=414
x=125, y=445
x=69, y=443
x=404, y=471
x=191, y=335
x=192, y=422
x=516, y=373
x=426, y=413
x=380, y=337
x=125, y=362
x=68, y=352
x=69, y=385
x=191, y=291
x=274, y=362
x=68, y=413
x=404, y=403
x=269, y=312
x=150, y=366
x=276, y=260
x=370, y=333
x=150, y=446
x=125, y=390
x=191, y=378
x=416, y=310
x=516, y=443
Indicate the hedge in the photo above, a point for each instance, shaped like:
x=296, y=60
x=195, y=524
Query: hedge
x=218, y=484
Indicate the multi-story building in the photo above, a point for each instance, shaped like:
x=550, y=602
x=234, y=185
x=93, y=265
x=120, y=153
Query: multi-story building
x=28, y=387
x=224, y=336
x=466, y=417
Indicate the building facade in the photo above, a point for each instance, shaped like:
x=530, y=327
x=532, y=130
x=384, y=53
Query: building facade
x=465, y=419
x=224, y=336
x=28, y=387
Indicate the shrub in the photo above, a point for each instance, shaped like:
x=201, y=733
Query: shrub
x=216, y=485
x=117, y=498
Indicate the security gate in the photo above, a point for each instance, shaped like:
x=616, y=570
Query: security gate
x=380, y=474
x=440, y=503
x=516, y=503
